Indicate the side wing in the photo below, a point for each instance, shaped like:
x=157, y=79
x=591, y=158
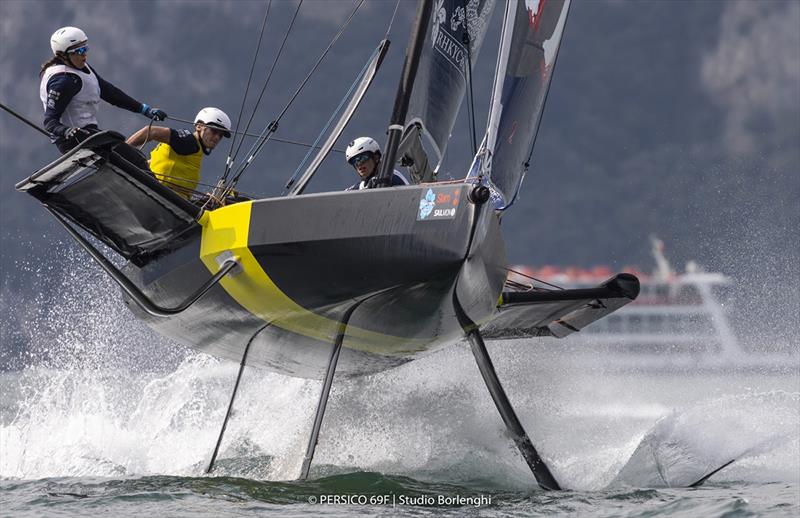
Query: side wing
x=526, y=314
x=105, y=187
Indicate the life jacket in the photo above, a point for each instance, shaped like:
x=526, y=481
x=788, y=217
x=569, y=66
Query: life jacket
x=81, y=111
x=179, y=172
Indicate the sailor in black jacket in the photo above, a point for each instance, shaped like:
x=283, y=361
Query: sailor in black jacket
x=71, y=91
x=364, y=154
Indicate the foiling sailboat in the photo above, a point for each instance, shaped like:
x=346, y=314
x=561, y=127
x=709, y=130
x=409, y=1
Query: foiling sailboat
x=279, y=283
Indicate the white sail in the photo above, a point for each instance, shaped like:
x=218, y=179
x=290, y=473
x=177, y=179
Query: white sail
x=532, y=31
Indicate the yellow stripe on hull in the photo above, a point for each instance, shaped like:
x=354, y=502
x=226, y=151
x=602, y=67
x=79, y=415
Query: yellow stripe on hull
x=226, y=230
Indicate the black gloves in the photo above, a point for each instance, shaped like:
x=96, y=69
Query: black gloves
x=72, y=132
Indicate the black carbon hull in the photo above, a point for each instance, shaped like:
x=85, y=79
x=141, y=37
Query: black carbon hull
x=408, y=268
x=307, y=260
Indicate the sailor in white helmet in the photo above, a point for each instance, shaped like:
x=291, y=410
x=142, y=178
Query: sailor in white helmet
x=364, y=154
x=71, y=91
x=177, y=158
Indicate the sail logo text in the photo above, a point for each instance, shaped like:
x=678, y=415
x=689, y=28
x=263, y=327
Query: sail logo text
x=445, y=42
x=451, y=49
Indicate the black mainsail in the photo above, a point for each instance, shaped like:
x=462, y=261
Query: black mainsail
x=443, y=73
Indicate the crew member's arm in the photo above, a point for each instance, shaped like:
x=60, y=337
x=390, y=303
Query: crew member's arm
x=61, y=88
x=181, y=141
x=113, y=95
x=149, y=134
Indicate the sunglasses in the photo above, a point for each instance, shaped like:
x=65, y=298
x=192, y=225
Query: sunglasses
x=81, y=51
x=217, y=130
x=360, y=159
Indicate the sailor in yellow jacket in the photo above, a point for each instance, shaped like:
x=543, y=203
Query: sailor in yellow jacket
x=177, y=158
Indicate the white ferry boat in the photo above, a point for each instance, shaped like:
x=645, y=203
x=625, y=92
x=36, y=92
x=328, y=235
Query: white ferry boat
x=679, y=320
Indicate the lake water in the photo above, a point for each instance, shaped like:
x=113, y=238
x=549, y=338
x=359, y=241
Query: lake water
x=108, y=418
x=424, y=439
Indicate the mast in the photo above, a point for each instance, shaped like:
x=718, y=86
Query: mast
x=397, y=122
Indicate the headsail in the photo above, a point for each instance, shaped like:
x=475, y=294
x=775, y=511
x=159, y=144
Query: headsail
x=443, y=72
x=532, y=31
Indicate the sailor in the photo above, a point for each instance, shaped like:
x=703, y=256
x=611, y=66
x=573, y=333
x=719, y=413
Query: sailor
x=177, y=158
x=71, y=91
x=364, y=154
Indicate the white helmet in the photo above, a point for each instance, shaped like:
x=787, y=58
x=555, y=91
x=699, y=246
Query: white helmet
x=214, y=117
x=67, y=38
x=361, y=145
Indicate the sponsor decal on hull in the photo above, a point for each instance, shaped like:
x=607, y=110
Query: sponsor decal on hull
x=439, y=203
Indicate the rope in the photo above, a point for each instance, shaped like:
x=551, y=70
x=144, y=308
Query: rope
x=274, y=125
x=147, y=135
x=26, y=121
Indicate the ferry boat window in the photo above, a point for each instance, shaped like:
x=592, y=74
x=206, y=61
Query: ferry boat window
x=689, y=295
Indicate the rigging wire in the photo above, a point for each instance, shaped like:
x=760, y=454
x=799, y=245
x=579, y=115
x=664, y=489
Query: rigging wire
x=272, y=127
x=276, y=139
x=263, y=89
x=172, y=181
x=338, y=109
x=391, y=21
x=333, y=117
x=229, y=161
x=533, y=278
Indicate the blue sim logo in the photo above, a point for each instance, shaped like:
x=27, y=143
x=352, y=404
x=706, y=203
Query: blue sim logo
x=426, y=204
